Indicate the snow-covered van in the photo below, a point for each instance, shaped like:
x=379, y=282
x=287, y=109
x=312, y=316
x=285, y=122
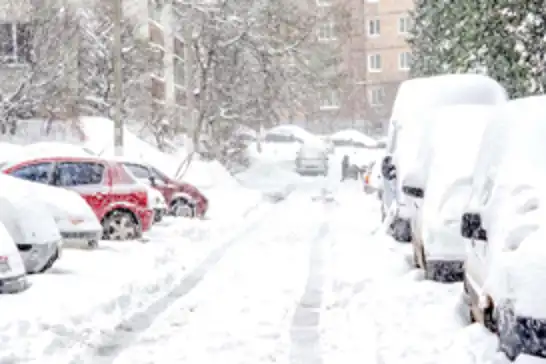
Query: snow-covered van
x=449, y=161
x=504, y=224
x=13, y=277
x=414, y=100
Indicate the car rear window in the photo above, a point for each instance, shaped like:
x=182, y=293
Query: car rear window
x=78, y=173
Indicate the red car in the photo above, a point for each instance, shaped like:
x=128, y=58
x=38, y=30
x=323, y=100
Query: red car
x=182, y=198
x=120, y=202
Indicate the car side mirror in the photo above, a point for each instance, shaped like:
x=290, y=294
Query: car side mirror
x=471, y=226
x=388, y=170
x=153, y=181
x=414, y=192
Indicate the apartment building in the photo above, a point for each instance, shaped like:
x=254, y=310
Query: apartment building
x=375, y=60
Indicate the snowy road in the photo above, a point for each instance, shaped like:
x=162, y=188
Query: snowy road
x=301, y=281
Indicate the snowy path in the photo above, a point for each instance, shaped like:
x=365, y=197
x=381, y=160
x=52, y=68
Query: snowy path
x=243, y=311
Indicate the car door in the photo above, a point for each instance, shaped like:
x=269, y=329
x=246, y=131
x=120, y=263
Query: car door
x=87, y=179
x=40, y=172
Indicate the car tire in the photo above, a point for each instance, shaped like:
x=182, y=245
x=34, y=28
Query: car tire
x=183, y=208
x=120, y=225
x=158, y=216
x=402, y=231
x=93, y=244
x=50, y=262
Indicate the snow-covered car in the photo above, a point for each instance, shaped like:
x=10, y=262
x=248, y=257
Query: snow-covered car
x=414, y=100
x=437, y=245
x=13, y=276
x=75, y=219
x=312, y=158
x=504, y=225
x=31, y=227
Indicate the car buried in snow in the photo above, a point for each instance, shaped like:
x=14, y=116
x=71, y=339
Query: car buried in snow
x=121, y=204
x=437, y=245
x=30, y=224
x=504, y=225
x=414, y=99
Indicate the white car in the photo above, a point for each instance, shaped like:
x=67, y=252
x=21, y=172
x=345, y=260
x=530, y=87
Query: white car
x=32, y=228
x=312, y=158
x=504, y=225
x=415, y=99
x=73, y=216
x=13, y=276
x=438, y=247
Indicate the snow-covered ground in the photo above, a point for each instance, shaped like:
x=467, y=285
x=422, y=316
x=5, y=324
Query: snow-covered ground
x=302, y=278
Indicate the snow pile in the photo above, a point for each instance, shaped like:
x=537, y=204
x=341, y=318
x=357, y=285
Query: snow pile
x=268, y=177
x=8, y=150
x=84, y=298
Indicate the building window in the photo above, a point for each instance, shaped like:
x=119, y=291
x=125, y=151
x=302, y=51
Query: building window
x=377, y=96
x=326, y=31
x=374, y=62
x=404, y=25
x=15, y=42
x=404, y=61
x=329, y=99
x=179, y=71
x=157, y=60
x=374, y=27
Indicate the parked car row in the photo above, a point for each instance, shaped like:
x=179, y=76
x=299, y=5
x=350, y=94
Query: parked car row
x=463, y=182
x=59, y=195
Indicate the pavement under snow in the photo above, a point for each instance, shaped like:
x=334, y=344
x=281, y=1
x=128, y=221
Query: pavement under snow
x=298, y=275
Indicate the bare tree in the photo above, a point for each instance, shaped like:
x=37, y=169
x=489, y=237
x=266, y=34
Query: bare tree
x=254, y=61
x=35, y=62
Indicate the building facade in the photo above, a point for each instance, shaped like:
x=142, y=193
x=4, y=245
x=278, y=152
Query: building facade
x=375, y=59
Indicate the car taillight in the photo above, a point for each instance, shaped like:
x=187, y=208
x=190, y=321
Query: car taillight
x=367, y=179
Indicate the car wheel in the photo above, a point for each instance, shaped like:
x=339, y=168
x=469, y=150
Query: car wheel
x=93, y=244
x=120, y=225
x=158, y=216
x=183, y=209
x=50, y=262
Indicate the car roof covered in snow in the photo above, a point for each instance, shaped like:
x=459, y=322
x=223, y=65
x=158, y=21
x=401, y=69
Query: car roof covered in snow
x=355, y=136
x=435, y=91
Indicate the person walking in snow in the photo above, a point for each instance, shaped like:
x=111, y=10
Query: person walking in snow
x=344, y=167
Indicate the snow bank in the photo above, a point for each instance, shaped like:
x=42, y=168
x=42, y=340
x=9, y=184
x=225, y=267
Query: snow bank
x=86, y=295
x=203, y=174
x=8, y=150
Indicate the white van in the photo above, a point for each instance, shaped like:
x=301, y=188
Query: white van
x=414, y=100
x=505, y=227
x=449, y=162
x=13, y=277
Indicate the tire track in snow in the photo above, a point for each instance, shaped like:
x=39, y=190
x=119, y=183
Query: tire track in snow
x=304, y=332
x=111, y=344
